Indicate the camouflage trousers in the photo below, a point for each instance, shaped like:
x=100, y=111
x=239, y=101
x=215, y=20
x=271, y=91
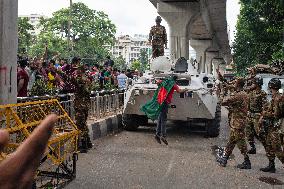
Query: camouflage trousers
x=237, y=137
x=81, y=116
x=273, y=144
x=158, y=50
x=253, y=129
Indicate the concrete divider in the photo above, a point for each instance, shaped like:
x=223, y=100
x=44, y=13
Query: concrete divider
x=103, y=127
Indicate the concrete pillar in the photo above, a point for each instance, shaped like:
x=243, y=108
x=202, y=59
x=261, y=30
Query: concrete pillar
x=216, y=62
x=178, y=16
x=200, y=47
x=209, y=57
x=8, y=51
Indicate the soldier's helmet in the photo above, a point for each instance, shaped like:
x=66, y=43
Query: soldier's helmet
x=258, y=80
x=158, y=19
x=274, y=83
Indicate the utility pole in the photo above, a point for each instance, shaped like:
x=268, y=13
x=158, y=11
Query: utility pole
x=69, y=26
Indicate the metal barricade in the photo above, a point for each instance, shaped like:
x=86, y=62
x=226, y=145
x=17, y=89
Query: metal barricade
x=59, y=160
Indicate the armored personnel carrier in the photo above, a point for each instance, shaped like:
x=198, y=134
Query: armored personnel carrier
x=267, y=72
x=200, y=106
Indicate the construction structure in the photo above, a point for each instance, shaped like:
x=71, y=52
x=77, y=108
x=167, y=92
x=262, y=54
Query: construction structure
x=201, y=24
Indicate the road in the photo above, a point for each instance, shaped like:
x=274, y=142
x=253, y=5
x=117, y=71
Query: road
x=134, y=160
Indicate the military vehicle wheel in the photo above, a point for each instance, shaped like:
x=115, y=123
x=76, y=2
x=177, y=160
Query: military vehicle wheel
x=213, y=126
x=132, y=122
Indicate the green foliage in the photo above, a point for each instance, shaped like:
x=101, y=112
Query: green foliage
x=40, y=88
x=143, y=59
x=25, y=38
x=120, y=63
x=95, y=86
x=53, y=43
x=91, y=31
x=109, y=86
x=136, y=65
x=259, y=33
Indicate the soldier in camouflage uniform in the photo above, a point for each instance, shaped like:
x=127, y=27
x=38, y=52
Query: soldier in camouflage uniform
x=238, y=107
x=270, y=120
x=280, y=114
x=158, y=38
x=257, y=103
x=81, y=106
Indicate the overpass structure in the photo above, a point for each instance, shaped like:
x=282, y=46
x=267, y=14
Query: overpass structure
x=201, y=24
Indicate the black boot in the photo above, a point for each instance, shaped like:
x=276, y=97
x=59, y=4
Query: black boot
x=163, y=138
x=246, y=164
x=253, y=149
x=222, y=160
x=270, y=168
x=89, y=143
x=157, y=138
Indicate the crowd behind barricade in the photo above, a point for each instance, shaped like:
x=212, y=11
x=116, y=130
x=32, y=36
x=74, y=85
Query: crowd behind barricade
x=39, y=77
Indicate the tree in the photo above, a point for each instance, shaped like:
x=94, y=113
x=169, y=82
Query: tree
x=143, y=59
x=24, y=35
x=136, y=65
x=259, y=35
x=91, y=30
x=120, y=63
x=53, y=43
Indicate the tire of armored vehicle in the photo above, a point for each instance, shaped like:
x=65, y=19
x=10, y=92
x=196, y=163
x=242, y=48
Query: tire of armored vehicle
x=131, y=122
x=213, y=125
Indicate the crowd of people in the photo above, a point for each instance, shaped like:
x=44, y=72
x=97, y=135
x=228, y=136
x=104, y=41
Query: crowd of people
x=252, y=116
x=38, y=77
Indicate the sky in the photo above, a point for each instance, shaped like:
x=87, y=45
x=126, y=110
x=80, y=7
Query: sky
x=130, y=16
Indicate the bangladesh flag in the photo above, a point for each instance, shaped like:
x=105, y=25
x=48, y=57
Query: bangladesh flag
x=153, y=108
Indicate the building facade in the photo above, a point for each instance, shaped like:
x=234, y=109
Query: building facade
x=34, y=19
x=130, y=47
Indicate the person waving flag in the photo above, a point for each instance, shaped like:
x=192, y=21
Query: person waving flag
x=157, y=108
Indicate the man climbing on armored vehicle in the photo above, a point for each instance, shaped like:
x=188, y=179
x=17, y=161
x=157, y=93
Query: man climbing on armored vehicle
x=158, y=38
x=157, y=108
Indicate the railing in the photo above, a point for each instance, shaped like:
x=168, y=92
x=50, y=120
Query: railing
x=102, y=103
x=105, y=105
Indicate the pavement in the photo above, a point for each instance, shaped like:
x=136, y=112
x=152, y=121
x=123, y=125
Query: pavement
x=134, y=160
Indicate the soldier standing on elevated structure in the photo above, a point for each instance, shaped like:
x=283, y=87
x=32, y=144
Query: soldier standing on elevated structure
x=158, y=38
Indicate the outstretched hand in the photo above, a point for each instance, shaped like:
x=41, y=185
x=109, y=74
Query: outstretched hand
x=19, y=168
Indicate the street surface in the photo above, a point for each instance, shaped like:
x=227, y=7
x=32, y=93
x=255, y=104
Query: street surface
x=134, y=160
